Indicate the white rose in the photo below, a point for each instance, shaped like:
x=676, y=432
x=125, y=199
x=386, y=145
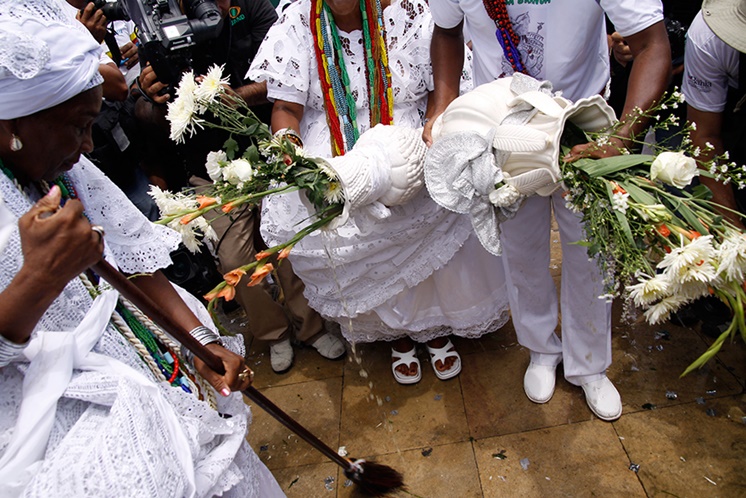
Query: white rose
x=215, y=163
x=674, y=168
x=237, y=171
x=507, y=195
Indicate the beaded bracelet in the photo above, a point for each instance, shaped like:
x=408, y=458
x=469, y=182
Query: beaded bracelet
x=291, y=135
x=10, y=351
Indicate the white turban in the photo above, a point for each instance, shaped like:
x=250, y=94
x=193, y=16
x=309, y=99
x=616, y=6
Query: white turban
x=44, y=59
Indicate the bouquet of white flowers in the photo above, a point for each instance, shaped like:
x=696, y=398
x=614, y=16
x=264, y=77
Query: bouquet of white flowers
x=270, y=165
x=659, y=244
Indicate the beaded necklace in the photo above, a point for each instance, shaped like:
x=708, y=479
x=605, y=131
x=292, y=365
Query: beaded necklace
x=506, y=37
x=152, y=345
x=339, y=102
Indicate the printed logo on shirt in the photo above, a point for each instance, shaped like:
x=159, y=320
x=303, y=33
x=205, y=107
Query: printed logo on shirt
x=531, y=45
x=235, y=14
x=700, y=85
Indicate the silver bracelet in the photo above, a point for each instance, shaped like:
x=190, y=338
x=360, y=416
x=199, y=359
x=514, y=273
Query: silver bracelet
x=204, y=335
x=10, y=351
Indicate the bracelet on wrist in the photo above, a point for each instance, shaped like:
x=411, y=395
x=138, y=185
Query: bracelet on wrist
x=204, y=335
x=291, y=135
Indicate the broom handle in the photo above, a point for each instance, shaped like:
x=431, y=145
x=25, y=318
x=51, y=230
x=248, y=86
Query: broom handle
x=133, y=293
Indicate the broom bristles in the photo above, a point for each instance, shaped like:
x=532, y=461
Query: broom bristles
x=373, y=478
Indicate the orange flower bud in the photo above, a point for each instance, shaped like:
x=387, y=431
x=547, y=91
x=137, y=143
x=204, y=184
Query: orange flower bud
x=234, y=276
x=617, y=189
x=186, y=219
x=227, y=208
x=228, y=292
x=663, y=230
x=259, y=274
x=205, y=201
x=285, y=252
x=262, y=255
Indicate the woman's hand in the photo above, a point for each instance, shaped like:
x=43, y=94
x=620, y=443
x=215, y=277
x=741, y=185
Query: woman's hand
x=58, y=244
x=237, y=375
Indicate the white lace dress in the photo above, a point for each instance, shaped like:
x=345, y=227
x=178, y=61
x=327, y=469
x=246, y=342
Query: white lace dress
x=109, y=434
x=414, y=271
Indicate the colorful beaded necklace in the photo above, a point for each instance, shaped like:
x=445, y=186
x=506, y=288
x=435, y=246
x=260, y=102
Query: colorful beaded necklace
x=339, y=103
x=506, y=37
x=163, y=356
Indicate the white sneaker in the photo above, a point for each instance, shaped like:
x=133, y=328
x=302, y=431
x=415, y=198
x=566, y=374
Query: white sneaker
x=281, y=355
x=328, y=346
x=603, y=399
x=538, y=382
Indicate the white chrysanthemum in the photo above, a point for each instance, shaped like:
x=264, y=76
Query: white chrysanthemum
x=693, y=261
x=334, y=193
x=659, y=312
x=619, y=202
x=170, y=204
x=648, y=291
x=691, y=290
x=187, y=86
x=183, y=118
x=215, y=162
x=211, y=85
x=326, y=169
x=506, y=195
x=188, y=235
x=731, y=258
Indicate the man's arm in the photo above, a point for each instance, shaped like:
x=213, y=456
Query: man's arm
x=650, y=76
x=708, y=131
x=447, y=54
x=253, y=93
x=115, y=86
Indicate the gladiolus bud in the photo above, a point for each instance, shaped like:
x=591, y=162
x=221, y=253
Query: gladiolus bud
x=234, y=276
x=663, y=230
x=186, y=219
x=228, y=292
x=262, y=255
x=259, y=274
x=285, y=252
x=205, y=201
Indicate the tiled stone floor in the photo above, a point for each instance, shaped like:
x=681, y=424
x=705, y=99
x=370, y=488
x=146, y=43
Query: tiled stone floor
x=478, y=435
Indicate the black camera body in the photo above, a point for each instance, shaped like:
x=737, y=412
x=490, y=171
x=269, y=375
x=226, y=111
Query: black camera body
x=166, y=34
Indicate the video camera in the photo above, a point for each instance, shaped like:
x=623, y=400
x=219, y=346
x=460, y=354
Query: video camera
x=166, y=34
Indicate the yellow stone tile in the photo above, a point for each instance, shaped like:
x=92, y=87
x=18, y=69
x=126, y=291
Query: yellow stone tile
x=429, y=413
x=577, y=460
x=309, y=481
x=308, y=365
x=315, y=405
x=682, y=451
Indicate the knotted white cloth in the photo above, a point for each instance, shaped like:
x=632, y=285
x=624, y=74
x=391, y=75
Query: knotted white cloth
x=44, y=61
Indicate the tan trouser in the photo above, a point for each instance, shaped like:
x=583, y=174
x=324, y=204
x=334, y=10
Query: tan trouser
x=269, y=319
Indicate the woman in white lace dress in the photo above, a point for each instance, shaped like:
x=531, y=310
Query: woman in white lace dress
x=92, y=400
x=404, y=273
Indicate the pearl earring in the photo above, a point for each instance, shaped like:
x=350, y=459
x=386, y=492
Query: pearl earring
x=15, y=143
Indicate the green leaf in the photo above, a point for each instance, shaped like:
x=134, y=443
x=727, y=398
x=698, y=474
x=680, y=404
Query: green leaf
x=702, y=192
x=251, y=154
x=231, y=148
x=609, y=165
x=638, y=194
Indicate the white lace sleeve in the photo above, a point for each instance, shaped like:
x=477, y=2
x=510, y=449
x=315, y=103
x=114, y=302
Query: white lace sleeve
x=283, y=57
x=138, y=245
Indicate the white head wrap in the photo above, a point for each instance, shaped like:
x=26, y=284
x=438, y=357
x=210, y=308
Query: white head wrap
x=44, y=60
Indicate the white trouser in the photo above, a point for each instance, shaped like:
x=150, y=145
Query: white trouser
x=585, y=348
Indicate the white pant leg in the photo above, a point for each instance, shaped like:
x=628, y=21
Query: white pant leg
x=531, y=291
x=586, y=319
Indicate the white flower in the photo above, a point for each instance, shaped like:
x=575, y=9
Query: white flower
x=619, y=202
x=660, y=311
x=732, y=258
x=215, y=163
x=650, y=290
x=211, y=85
x=334, y=193
x=506, y=195
x=674, y=168
x=656, y=213
x=182, y=114
x=170, y=204
x=325, y=168
x=187, y=86
x=691, y=262
x=237, y=171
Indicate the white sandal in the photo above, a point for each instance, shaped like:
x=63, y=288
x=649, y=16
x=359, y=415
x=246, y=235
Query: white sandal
x=442, y=354
x=406, y=358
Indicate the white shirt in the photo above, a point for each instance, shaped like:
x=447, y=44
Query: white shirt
x=710, y=67
x=561, y=41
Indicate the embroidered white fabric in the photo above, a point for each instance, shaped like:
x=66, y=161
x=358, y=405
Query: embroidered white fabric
x=105, y=440
x=383, y=273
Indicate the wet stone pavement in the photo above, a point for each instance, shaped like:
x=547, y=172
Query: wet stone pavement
x=478, y=435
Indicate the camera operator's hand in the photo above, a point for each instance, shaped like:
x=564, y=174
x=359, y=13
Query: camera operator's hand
x=130, y=54
x=94, y=21
x=151, y=86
